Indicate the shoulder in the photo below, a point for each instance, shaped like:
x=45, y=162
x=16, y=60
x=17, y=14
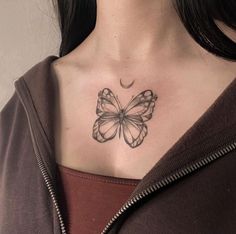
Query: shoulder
x=13, y=119
x=9, y=113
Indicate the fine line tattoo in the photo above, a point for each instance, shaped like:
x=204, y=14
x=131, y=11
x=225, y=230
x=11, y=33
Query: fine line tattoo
x=126, y=86
x=129, y=120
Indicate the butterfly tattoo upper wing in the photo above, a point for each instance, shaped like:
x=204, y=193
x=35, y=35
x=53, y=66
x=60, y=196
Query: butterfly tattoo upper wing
x=112, y=117
x=108, y=107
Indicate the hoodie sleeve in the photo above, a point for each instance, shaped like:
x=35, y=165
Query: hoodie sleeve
x=10, y=125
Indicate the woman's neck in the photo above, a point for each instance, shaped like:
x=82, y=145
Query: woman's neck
x=136, y=30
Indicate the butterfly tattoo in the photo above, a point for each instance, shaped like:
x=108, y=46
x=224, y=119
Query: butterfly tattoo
x=129, y=120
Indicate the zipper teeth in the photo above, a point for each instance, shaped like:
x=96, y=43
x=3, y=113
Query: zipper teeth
x=49, y=186
x=51, y=191
x=169, y=179
x=44, y=172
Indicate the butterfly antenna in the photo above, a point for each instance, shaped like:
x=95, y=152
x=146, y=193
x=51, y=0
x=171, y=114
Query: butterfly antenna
x=118, y=101
x=129, y=102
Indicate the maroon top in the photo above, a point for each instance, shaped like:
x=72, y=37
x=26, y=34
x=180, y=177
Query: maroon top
x=89, y=200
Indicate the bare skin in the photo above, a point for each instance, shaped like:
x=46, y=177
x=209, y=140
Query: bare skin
x=142, y=41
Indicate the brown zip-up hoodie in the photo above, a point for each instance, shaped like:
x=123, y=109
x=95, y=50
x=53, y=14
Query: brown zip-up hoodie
x=192, y=189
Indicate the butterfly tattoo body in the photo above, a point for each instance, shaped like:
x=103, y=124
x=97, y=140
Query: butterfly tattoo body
x=130, y=120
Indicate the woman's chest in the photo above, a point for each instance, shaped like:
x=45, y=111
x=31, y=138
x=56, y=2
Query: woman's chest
x=96, y=142
x=105, y=129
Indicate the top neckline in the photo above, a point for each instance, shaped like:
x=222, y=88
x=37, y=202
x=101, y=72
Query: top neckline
x=97, y=177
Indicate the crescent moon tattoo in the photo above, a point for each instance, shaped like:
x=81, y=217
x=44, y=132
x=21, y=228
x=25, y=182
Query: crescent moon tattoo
x=126, y=86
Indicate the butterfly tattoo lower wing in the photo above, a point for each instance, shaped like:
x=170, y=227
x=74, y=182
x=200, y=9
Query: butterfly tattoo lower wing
x=134, y=131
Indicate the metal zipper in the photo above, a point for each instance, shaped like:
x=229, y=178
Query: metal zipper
x=169, y=179
x=44, y=172
x=51, y=191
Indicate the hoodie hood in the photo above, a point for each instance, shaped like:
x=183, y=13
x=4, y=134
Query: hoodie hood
x=214, y=129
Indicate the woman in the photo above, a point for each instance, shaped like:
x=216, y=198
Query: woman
x=131, y=129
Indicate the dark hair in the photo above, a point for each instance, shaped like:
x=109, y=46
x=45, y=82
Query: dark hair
x=77, y=19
